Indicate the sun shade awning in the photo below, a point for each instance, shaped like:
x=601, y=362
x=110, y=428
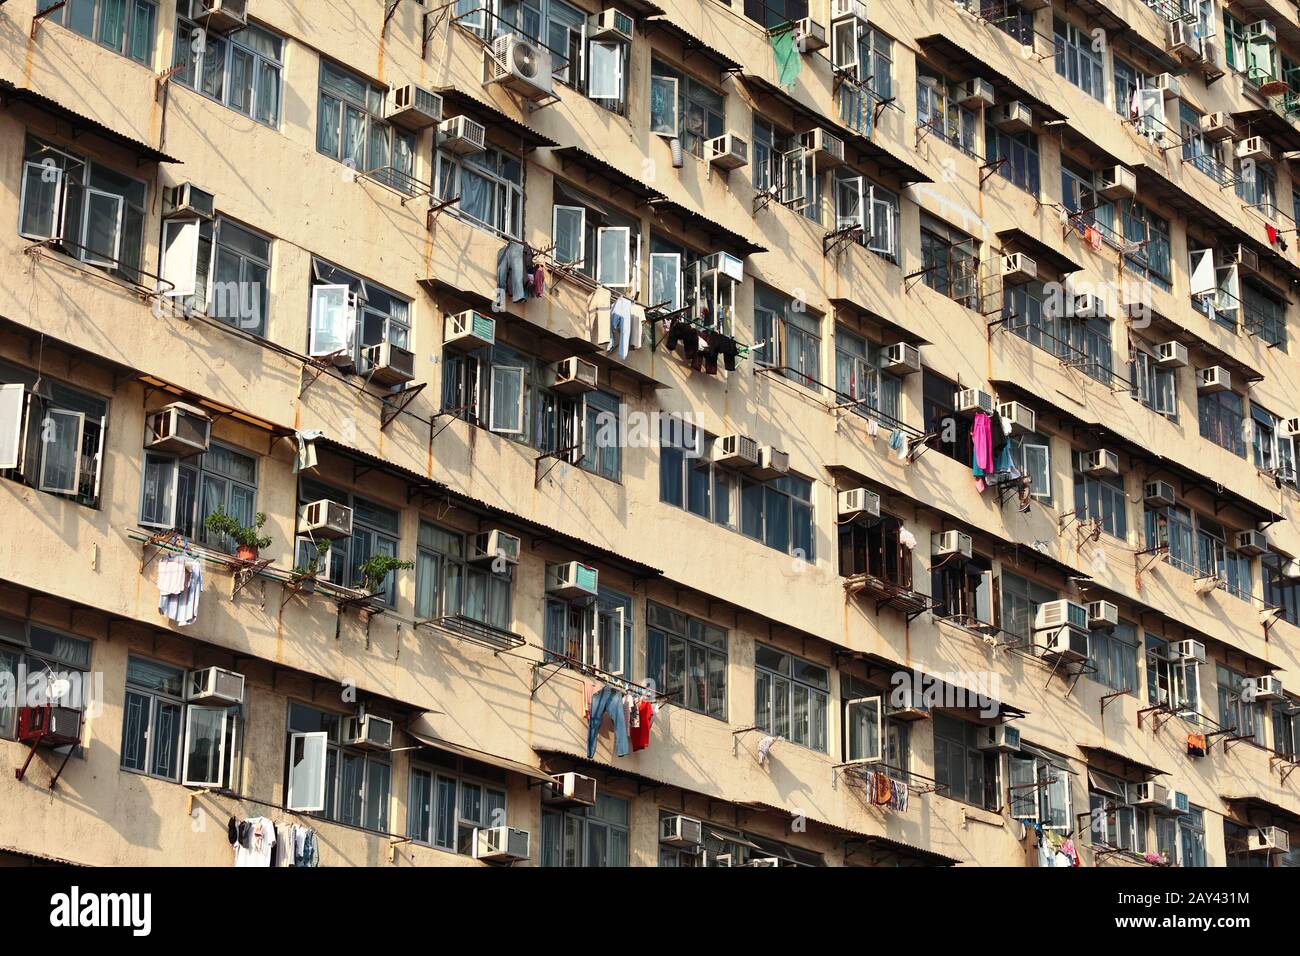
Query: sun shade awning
x=596, y=173
x=692, y=46
x=1094, y=751
x=876, y=663
x=422, y=730
x=1245, y=804
x=768, y=94
x=882, y=850
x=690, y=222
x=211, y=405
x=965, y=64
x=854, y=306
x=456, y=102
x=1017, y=240
x=11, y=93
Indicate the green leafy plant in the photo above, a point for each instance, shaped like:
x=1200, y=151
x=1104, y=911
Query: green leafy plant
x=374, y=571
x=221, y=523
x=317, y=564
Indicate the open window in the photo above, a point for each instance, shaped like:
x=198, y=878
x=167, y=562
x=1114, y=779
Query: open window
x=614, y=256
x=43, y=195
x=663, y=105
x=666, y=280
x=51, y=435
x=606, y=61
x=209, y=747
x=507, y=398
x=62, y=432
x=308, y=753
x=1202, y=280
x=863, y=721
x=568, y=232
x=794, y=178
x=180, y=257
x=333, y=321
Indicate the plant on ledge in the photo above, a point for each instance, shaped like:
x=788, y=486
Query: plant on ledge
x=248, y=541
x=306, y=574
x=376, y=570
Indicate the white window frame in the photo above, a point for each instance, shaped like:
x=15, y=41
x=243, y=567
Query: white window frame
x=229, y=743
x=610, y=236
x=513, y=425
x=866, y=705
x=580, y=239
x=312, y=801
x=80, y=419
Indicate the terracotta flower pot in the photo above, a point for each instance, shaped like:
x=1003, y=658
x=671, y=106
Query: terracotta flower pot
x=246, y=553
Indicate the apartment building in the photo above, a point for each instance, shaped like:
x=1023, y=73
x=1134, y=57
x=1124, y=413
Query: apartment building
x=895, y=428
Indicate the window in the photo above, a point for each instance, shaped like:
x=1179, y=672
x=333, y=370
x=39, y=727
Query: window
x=446, y=584
x=963, y=589
x=51, y=435
x=873, y=547
x=1215, y=559
x=859, y=378
x=92, y=213
x=1032, y=454
x=1215, y=292
x=1236, y=843
x=1237, y=711
x=1273, y=450
x=1286, y=727
x=689, y=479
x=1115, y=655
x=125, y=26
x=351, y=315
x=449, y=801
x=1256, y=186
x=596, y=240
x=968, y=773
x=180, y=493
x=1039, y=785
x=686, y=658
x=325, y=776
x=1014, y=156
x=872, y=210
x=1175, y=683
x=1115, y=823
x=1150, y=232
x=1172, y=528
x=787, y=337
x=1009, y=17
x=1101, y=499
x=1263, y=314
x=593, y=633
x=786, y=170
x=1203, y=153
x=242, y=70
x=791, y=697
x=163, y=737
x=1191, y=838
x=949, y=261
x=489, y=186
x=939, y=110
x=375, y=531
x=1222, y=420
x=775, y=13
x=1077, y=59
x=602, y=432
x=952, y=435
x=779, y=513
x=684, y=107
x=870, y=732
x=1154, y=385
x=32, y=659
x=351, y=129
x=589, y=836
x=1020, y=600
x=1281, y=589
x=218, y=268
x=1234, y=32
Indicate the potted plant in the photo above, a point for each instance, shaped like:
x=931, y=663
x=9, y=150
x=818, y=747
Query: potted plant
x=305, y=574
x=248, y=541
x=374, y=571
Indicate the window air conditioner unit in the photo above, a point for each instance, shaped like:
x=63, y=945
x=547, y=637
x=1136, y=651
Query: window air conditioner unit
x=368, y=731
x=1216, y=378
x=1218, y=126
x=1018, y=267
x=570, y=790
x=461, y=135
x=951, y=542
x=1255, y=147
x=1061, y=613
x=1089, y=305
x=972, y=400
x=1101, y=462
x=1251, y=542
x=1179, y=802
x=1064, y=643
x=1261, y=31
x=1102, y=614
x=1159, y=494
x=724, y=264
x=390, y=364
x=728, y=151
x=1022, y=418
x=1267, y=687
x=1180, y=40
x=469, y=330
x=1187, y=651
x=1117, y=182
x=908, y=705
x=179, y=429
x=519, y=65
x=500, y=844
x=214, y=685
x=1172, y=355
x=1291, y=427
x=735, y=450
x=762, y=861
x=827, y=148
x=1167, y=83
x=325, y=519
x=189, y=200
x=611, y=24
x=573, y=376
x=572, y=580
x=489, y=546
x=1013, y=117
x=1270, y=840
x=771, y=464
x=413, y=107
x=901, y=358
x=1000, y=737
x=858, y=502
x=809, y=35
x=977, y=92
x=1241, y=255
x=1148, y=794
x=49, y=725
x=220, y=16
x=1209, y=51
x=844, y=9
x=681, y=831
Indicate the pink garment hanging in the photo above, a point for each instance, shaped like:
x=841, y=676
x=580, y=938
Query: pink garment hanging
x=982, y=450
